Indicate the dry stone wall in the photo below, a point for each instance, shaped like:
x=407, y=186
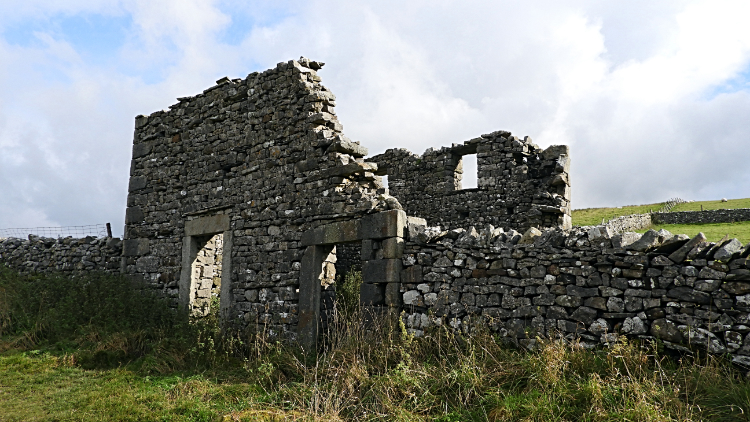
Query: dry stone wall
x=519, y=185
x=702, y=217
x=629, y=223
x=585, y=284
x=64, y=255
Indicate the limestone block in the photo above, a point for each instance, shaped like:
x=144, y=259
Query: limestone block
x=412, y=275
x=341, y=232
x=688, y=294
x=368, y=250
x=384, y=224
x=680, y=254
x=382, y=271
x=207, y=225
x=135, y=247
x=393, y=247
x=625, y=239
x=725, y=252
x=649, y=240
x=133, y=215
x=634, y=326
x=137, y=183
x=141, y=150
x=345, y=145
x=736, y=287
x=415, y=226
x=413, y=297
x=529, y=236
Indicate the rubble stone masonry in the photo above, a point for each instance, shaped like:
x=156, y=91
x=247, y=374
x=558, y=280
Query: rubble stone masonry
x=250, y=192
x=519, y=185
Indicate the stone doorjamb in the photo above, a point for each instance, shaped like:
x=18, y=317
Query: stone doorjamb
x=380, y=276
x=202, y=226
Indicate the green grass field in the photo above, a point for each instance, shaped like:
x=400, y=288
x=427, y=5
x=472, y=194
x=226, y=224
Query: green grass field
x=594, y=216
x=125, y=357
x=714, y=232
x=713, y=205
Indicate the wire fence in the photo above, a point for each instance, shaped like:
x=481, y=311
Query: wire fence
x=96, y=230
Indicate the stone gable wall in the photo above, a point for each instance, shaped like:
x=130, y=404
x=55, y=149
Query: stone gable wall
x=268, y=152
x=519, y=185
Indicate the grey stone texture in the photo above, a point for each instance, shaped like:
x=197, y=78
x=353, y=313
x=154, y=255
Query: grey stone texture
x=702, y=217
x=63, y=255
x=588, y=287
x=519, y=185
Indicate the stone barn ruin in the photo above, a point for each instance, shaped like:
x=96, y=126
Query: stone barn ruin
x=248, y=197
x=242, y=192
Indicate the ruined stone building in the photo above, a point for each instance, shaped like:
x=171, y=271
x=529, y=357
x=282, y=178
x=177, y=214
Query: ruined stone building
x=249, y=197
x=262, y=165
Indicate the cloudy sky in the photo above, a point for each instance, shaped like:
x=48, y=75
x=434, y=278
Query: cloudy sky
x=652, y=97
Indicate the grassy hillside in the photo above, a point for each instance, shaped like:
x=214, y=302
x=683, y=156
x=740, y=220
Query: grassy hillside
x=106, y=362
x=713, y=205
x=594, y=216
x=714, y=232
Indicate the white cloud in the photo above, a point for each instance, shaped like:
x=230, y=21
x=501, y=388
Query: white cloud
x=630, y=86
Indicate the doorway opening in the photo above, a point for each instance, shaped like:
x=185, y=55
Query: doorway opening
x=341, y=279
x=205, y=275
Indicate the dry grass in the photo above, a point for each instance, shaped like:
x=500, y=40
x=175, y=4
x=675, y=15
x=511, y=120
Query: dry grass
x=361, y=371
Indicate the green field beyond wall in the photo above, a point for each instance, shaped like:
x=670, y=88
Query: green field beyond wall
x=714, y=232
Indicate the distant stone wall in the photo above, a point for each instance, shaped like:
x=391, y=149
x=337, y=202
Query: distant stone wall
x=519, y=185
x=37, y=255
x=583, y=284
x=629, y=223
x=702, y=217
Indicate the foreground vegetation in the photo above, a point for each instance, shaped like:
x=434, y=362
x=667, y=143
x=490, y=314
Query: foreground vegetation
x=714, y=232
x=96, y=349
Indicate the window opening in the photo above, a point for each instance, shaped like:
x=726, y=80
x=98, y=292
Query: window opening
x=470, y=171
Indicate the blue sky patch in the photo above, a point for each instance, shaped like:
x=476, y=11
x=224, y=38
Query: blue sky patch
x=243, y=23
x=741, y=82
x=97, y=38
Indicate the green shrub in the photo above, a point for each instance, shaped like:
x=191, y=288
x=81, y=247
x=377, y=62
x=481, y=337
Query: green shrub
x=347, y=292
